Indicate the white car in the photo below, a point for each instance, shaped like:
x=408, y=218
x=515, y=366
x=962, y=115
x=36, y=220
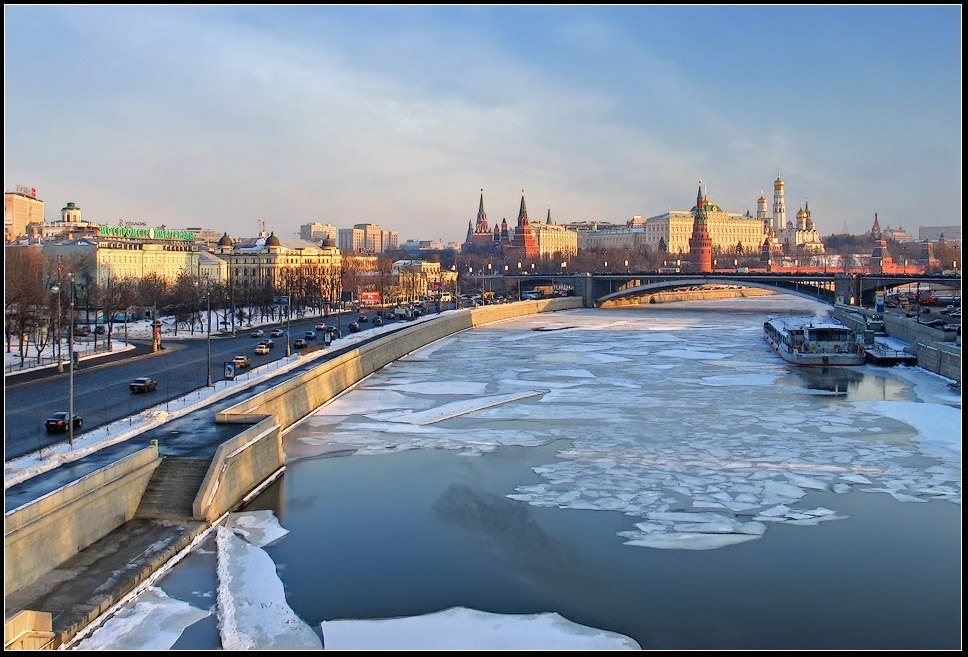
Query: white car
x=276, y=333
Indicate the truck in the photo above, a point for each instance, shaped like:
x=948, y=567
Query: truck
x=538, y=292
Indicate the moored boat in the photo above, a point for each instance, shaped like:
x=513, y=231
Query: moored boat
x=814, y=343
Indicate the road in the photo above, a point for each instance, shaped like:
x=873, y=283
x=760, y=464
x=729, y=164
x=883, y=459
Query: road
x=101, y=393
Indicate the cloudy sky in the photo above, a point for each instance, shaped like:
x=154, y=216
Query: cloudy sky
x=222, y=116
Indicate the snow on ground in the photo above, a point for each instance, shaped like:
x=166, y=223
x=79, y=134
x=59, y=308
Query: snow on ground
x=468, y=629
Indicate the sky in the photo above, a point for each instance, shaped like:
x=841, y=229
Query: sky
x=224, y=116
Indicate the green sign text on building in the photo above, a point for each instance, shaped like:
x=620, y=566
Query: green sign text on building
x=146, y=233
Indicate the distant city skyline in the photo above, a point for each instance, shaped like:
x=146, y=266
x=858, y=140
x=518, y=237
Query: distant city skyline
x=223, y=116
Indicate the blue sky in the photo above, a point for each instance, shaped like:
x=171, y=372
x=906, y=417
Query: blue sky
x=219, y=116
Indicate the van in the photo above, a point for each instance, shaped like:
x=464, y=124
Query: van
x=446, y=297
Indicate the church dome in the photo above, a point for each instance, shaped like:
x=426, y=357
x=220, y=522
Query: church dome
x=225, y=240
x=329, y=243
x=777, y=184
x=272, y=240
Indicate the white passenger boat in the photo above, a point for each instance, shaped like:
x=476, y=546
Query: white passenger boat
x=808, y=342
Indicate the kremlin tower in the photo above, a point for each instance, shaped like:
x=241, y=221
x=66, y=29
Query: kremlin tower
x=700, y=244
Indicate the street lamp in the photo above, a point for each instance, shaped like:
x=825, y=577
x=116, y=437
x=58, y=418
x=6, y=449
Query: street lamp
x=288, y=322
x=70, y=354
x=208, y=299
x=55, y=290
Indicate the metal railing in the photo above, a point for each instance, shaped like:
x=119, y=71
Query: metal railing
x=34, y=362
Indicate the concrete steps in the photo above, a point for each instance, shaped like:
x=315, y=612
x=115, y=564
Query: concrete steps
x=173, y=488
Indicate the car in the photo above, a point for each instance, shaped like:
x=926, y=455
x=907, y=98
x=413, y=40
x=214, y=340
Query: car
x=268, y=342
x=300, y=343
x=99, y=329
x=242, y=362
x=258, y=333
x=354, y=327
x=276, y=333
x=321, y=327
x=952, y=327
x=310, y=335
x=377, y=321
x=935, y=323
x=58, y=422
x=143, y=384
x=261, y=349
x=363, y=318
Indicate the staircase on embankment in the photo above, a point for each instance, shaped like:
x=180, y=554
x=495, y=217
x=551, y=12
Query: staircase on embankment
x=172, y=489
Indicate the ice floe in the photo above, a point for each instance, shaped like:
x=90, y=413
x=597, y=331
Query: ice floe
x=259, y=528
x=654, y=429
x=154, y=621
x=460, y=628
x=252, y=610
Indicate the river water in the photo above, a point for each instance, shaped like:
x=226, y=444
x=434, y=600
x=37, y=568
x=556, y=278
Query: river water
x=655, y=472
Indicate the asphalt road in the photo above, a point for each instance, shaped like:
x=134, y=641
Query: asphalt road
x=101, y=393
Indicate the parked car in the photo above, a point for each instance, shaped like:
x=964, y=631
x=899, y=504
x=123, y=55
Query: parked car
x=936, y=323
x=300, y=343
x=58, y=422
x=354, y=327
x=242, y=362
x=99, y=329
x=261, y=349
x=258, y=333
x=310, y=335
x=277, y=333
x=143, y=384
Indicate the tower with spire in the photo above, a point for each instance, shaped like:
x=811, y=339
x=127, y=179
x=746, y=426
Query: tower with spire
x=876, y=229
x=700, y=244
x=479, y=236
x=522, y=244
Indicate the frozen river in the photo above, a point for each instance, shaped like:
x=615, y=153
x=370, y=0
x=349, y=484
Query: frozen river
x=646, y=477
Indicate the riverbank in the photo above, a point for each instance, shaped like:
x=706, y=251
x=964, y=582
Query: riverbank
x=700, y=294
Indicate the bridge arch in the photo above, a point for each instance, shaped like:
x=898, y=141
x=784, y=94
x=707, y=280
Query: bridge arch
x=823, y=291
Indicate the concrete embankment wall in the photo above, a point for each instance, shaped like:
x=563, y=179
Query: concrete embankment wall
x=936, y=350
x=52, y=529
x=239, y=465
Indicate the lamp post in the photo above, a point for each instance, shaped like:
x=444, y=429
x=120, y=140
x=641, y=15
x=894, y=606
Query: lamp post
x=288, y=322
x=70, y=384
x=55, y=290
x=208, y=299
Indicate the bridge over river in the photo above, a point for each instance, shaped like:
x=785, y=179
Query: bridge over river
x=830, y=288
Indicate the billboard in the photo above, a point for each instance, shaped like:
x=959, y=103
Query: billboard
x=370, y=298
